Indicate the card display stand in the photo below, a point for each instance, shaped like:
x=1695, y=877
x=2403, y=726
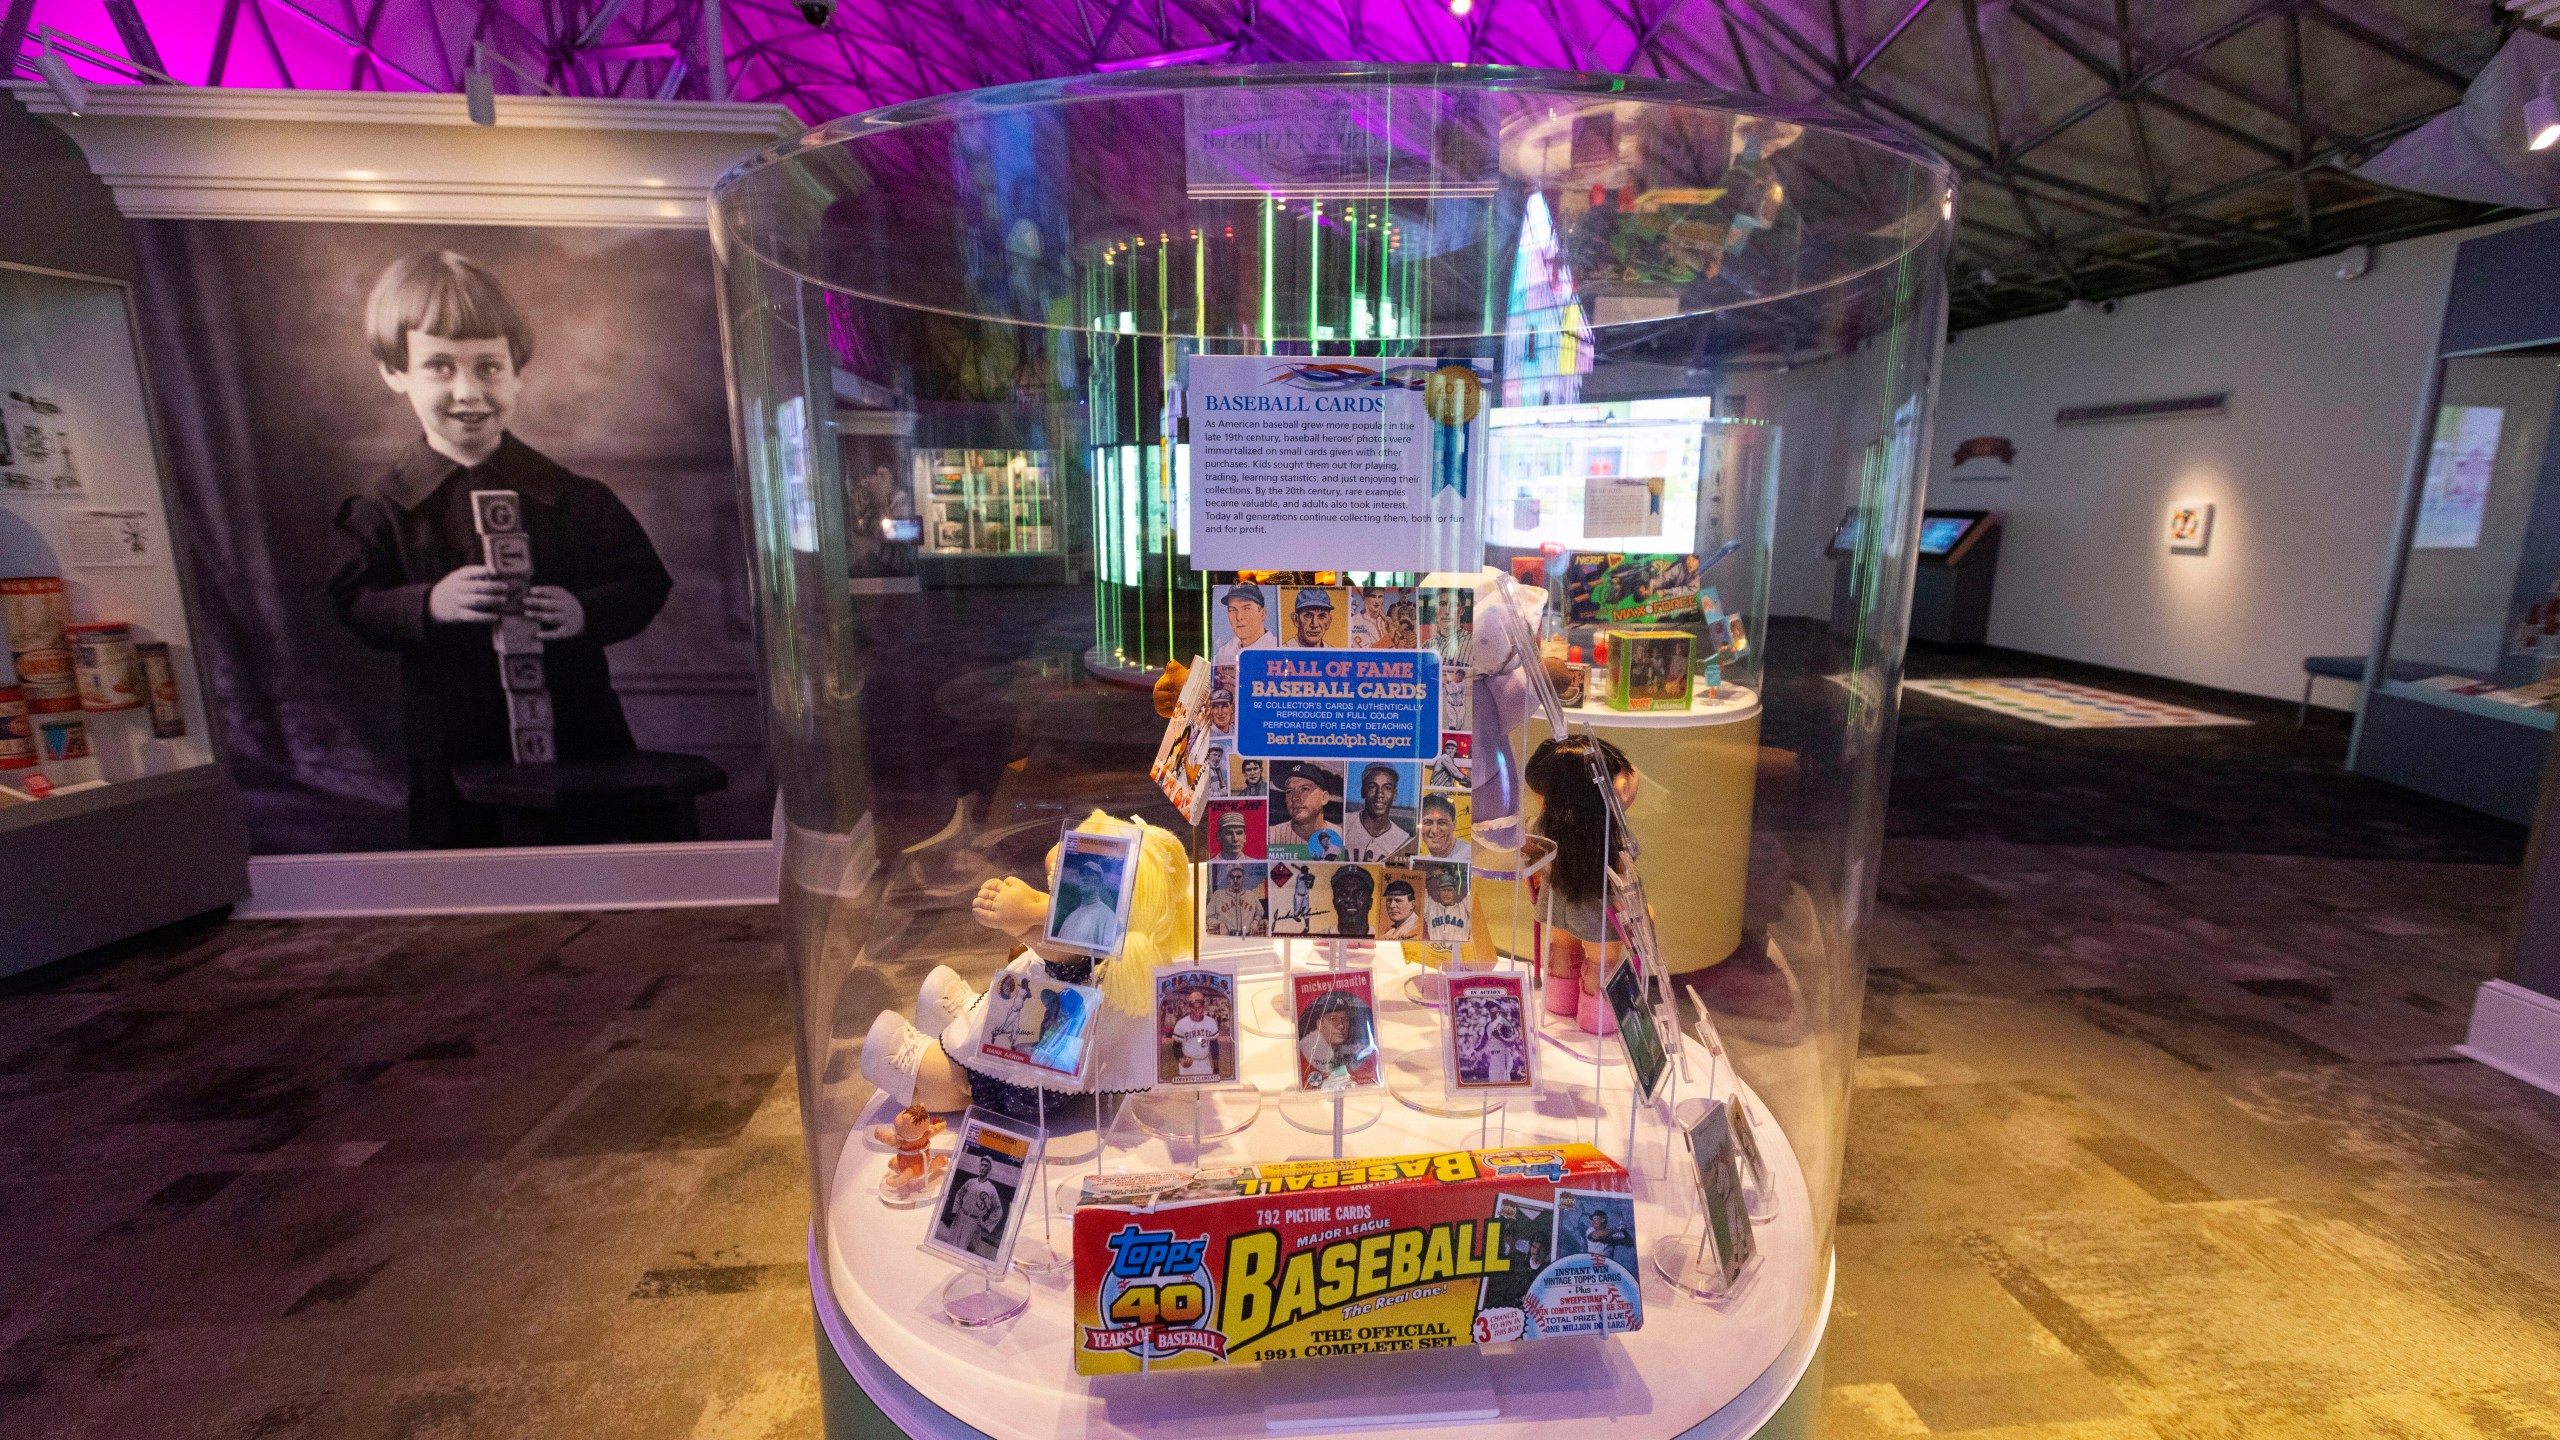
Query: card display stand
x=1016, y=1385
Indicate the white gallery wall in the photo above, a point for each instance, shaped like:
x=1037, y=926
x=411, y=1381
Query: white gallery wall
x=2303, y=471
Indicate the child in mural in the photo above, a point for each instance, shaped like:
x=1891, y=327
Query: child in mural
x=407, y=574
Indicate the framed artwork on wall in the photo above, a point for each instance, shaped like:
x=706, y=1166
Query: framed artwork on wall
x=2190, y=527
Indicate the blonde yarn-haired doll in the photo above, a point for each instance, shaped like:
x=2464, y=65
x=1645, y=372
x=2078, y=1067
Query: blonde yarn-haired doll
x=938, y=1060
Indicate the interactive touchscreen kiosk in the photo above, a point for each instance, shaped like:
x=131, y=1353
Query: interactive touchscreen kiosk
x=1946, y=534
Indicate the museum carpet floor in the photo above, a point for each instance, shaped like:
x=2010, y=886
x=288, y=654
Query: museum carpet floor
x=2156, y=1137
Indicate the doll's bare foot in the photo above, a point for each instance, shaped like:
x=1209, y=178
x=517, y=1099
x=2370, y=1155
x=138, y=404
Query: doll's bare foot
x=1010, y=907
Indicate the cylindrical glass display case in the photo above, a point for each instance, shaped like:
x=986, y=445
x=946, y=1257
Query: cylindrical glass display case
x=1435, y=1003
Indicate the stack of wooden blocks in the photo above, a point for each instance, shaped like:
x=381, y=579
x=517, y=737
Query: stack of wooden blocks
x=504, y=547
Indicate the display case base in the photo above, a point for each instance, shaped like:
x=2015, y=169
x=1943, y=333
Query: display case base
x=861, y=1398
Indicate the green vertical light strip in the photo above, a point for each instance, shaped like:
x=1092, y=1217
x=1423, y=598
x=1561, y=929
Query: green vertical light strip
x=1359, y=306
x=1315, y=261
x=1163, y=449
x=1267, y=222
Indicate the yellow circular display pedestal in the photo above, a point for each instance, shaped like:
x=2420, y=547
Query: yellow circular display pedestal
x=1692, y=821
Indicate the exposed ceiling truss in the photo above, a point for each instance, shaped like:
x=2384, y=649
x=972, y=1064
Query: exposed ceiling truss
x=2107, y=146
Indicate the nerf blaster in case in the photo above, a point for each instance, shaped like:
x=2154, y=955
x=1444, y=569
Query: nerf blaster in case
x=1351, y=1257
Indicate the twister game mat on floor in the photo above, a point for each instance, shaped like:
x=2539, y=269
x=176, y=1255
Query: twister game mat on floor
x=2064, y=705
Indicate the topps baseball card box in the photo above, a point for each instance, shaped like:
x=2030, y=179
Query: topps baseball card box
x=1299, y=1258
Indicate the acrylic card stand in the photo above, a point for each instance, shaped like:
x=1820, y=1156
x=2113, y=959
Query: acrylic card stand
x=980, y=1214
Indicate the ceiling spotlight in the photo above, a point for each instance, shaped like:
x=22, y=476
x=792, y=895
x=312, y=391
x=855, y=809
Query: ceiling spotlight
x=57, y=74
x=1460, y=8
x=2542, y=119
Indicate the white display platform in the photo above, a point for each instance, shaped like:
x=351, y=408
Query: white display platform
x=1733, y=703
x=1015, y=1381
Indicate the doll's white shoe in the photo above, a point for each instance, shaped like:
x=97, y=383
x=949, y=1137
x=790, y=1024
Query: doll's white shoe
x=941, y=999
x=892, y=1055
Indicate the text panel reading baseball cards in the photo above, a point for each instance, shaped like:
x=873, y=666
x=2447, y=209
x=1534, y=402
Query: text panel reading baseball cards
x=1366, y=706
x=1333, y=465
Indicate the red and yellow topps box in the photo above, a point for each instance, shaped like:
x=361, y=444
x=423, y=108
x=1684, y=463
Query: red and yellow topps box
x=1350, y=1257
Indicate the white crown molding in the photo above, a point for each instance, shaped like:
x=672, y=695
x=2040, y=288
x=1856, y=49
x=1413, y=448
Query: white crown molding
x=173, y=152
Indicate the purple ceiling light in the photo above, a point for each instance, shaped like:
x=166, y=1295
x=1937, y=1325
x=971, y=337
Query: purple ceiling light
x=2106, y=147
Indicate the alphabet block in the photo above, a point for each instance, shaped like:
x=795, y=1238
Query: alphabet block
x=534, y=747
x=508, y=554
x=516, y=635
x=496, y=512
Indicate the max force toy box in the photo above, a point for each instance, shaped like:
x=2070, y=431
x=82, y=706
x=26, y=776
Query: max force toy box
x=1350, y=1257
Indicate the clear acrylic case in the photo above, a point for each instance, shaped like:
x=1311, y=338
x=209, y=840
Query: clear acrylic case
x=1593, y=285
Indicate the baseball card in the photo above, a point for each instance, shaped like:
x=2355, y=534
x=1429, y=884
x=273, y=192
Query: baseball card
x=1089, y=911
x=993, y=1166
x=1378, y=821
x=1306, y=810
x=1450, y=769
x=1238, y=830
x=1337, y=1030
x=1318, y=617
x=1713, y=1155
x=1746, y=1144
x=1440, y=828
x=1448, y=621
x=1307, y=1258
x=1447, y=912
x=1196, y=1025
x=1239, y=905
x=1292, y=897
x=1041, y=1024
x=1347, y=900
x=1638, y=1036
x=1486, y=1034
x=1400, y=906
x=1242, y=619
x=1382, y=618
x=1184, y=751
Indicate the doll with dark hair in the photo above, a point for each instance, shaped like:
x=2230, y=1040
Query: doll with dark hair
x=1582, y=941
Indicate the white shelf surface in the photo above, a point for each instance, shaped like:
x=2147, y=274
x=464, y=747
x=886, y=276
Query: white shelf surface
x=1733, y=704
x=1015, y=1381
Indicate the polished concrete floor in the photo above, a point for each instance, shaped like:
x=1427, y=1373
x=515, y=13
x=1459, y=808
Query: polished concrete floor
x=2148, y=1141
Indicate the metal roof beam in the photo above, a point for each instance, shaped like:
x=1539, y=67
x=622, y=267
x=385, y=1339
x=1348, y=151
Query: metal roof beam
x=2380, y=43
x=1876, y=51
x=2188, y=59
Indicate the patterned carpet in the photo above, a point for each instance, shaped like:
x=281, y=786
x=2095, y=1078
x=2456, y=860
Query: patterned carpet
x=2156, y=1136
x=1964, y=773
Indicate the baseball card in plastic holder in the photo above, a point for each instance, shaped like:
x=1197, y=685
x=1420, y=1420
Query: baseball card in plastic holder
x=1337, y=1030
x=1638, y=1033
x=1717, y=1162
x=992, y=1170
x=1196, y=1026
x=1041, y=1025
x=1485, y=1036
x=1089, y=910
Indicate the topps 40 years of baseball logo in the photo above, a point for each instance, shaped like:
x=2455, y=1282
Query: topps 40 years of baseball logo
x=1350, y=1257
